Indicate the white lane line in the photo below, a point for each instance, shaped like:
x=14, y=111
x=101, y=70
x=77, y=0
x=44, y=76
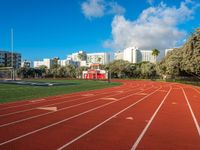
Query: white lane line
x=149, y=122
x=16, y=112
x=44, y=114
x=64, y=120
x=192, y=113
x=105, y=121
x=196, y=90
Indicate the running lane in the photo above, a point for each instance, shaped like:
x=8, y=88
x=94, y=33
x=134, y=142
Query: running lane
x=120, y=131
x=173, y=127
x=50, y=136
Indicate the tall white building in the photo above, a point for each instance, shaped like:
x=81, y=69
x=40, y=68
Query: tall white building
x=62, y=62
x=146, y=55
x=46, y=62
x=131, y=54
x=87, y=59
x=100, y=58
x=118, y=55
x=77, y=59
x=134, y=55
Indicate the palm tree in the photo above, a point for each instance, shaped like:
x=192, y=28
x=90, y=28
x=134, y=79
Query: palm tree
x=99, y=59
x=81, y=56
x=55, y=67
x=155, y=53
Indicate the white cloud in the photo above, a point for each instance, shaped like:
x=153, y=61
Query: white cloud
x=150, y=2
x=99, y=8
x=156, y=27
x=93, y=8
x=115, y=8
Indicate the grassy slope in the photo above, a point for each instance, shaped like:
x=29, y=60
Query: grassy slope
x=17, y=92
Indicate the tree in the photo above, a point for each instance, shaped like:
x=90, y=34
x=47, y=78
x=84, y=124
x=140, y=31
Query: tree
x=79, y=71
x=55, y=66
x=191, y=54
x=184, y=60
x=44, y=70
x=118, y=68
x=99, y=59
x=82, y=56
x=148, y=70
x=155, y=53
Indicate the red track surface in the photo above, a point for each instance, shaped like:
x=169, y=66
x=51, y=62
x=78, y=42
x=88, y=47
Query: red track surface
x=135, y=115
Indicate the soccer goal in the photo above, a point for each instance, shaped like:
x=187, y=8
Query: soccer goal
x=6, y=73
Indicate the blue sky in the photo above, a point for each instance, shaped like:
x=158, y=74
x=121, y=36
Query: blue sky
x=45, y=29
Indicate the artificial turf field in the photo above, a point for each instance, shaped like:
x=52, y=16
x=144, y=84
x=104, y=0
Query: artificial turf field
x=9, y=92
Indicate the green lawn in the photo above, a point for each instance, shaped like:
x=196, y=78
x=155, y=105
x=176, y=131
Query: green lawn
x=9, y=92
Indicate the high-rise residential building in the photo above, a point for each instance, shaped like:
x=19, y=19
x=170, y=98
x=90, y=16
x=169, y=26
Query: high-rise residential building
x=77, y=59
x=135, y=55
x=100, y=58
x=46, y=62
x=131, y=54
x=146, y=55
x=9, y=59
x=62, y=62
x=81, y=58
x=118, y=55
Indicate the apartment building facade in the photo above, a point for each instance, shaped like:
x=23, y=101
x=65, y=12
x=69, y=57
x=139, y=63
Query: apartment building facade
x=45, y=62
x=9, y=59
x=135, y=55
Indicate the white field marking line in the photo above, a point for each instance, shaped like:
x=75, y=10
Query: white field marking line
x=192, y=113
x=105, y=121
x=150, y=121
x=58, y=97
x=48, y=108
x=109, y=98
x=129, y=118
x=64, y=120
x=16, y=112
x=87, y=94
x=33, y=101
x=44, y=114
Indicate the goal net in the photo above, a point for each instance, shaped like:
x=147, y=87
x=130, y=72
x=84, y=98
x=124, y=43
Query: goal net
x=5, y=73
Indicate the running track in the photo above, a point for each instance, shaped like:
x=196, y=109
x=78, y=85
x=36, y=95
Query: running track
x=136, y=115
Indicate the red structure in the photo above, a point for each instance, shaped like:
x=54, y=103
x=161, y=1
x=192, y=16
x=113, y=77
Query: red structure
x=95, y=73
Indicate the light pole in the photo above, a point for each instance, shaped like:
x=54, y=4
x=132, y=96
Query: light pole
x=12, y=64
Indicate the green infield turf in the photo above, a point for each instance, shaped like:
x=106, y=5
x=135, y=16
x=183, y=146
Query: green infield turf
x=10, y=92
